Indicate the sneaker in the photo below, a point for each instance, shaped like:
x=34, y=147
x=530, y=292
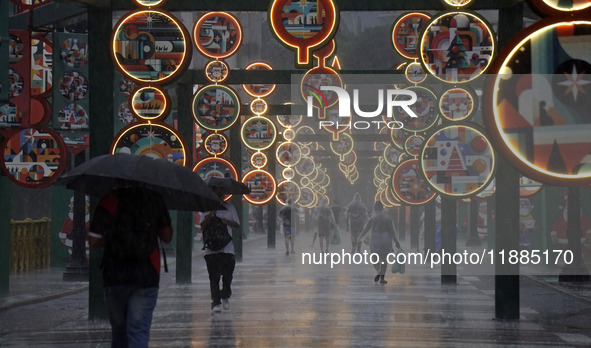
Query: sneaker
x=287, y=252
x=383, y=281
x=293, y=252
x=226, y=303
x=216, y=308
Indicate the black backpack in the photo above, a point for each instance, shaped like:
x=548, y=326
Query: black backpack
x=215, y=234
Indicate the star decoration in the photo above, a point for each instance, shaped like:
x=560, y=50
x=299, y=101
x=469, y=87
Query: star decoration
x=575, y=83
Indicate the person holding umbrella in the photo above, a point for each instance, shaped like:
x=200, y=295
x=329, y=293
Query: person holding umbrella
x=220, y=263
x=136, y=193
x=128, y=222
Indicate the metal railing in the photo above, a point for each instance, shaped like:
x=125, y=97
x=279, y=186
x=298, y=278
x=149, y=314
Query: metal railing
x=30, y=244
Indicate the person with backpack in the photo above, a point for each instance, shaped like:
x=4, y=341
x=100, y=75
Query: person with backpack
x=356, y=215
x=288, y=216
x=325, y=221
x=128, y=223
x=220, y=262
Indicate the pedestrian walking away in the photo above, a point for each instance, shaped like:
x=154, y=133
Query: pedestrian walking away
x=220, y=263
x=128, y=222
x=356, y=214
x=288, y=216
x=382, y=234
x=325, y=221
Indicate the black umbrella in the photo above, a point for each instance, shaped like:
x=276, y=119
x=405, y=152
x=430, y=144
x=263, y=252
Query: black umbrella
x=181, y=188
x=228, y=186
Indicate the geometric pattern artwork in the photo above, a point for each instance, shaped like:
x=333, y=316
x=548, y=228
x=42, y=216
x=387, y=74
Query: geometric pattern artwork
x=16, y=82
x=216, y=71
x=74, y=52
x=425, y=108
x=73, y=85
x=73, y=117
x=259, y=90
x=262, y=186
x=405, y=34
x=456, y=104
x=258, y=133
x=155, y=140
x=410, y=185
x=540, y=107
x=215, y=167
x=41, y=56
x=150, y=46
x=150, y=103
x=303, y=24
x=458, y=161
x=288, y=154
x=34, y=157
x=457, y=47
x=216, y=107
x=217, y=35
x=124, y=113
x=457, y=3
x=216, y=144
x=16, y=49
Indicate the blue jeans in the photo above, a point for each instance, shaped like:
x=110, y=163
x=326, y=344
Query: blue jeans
x=130, y=312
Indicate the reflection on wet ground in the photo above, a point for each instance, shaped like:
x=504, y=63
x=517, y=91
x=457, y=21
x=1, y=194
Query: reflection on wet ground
x=279, y=302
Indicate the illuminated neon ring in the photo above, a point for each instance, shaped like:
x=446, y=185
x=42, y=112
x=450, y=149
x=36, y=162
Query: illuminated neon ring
x=259, y=90
x=149, y=3
x=458, y=161
x=288, y=189
x=216, y=167
x=406, y=31
x=447, y=58
x=288, y=154
x=258, y=160
x=217, y=35
x=150, y=46
x=217, y=71
x=457, y=104
x=553, y=7
x=262, y=186
x=547, y=140
x=150, y=103
x=289, y=121
x=216, y=144
x=409, y=184
x=258, y=133
x=216, y=107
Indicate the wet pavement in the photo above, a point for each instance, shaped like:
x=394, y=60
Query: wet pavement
x=280, y=302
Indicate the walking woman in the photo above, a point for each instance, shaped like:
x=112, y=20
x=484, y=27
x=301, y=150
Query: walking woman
x=382, y=234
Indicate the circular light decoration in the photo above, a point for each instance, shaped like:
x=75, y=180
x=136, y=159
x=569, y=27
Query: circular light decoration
x=216, y=107
x=303, y=26
x=258, y=133
x=458, y=161
x=217, y=35
x=307, y=197
x=409, y=184
x=150, y=103
x=414, y=145
x=305, y=166
x=289, y=134
x=216, y=71
x=392, y=155
x=528, y=187
x=457, y=46
x=262, y=186
x=216, y=144
x=288, y=154
x=457, y=3
x=313, y=80
x=259, y=90
x=457, y=104
x=391, y=196
x=155, y=140
x=74, y=52
x=34, y=157
x=342, y=146
x=16, y=83
x=149, y=3
x=415, y=73
x=302, y=132
x=41, y=68
x=288, y=173
x=425, y=108
x=73, y=117
x=556, y=7
x=398, y=137
x=385, y=169
x=350, y=159
x=258, y=106
x=305, y=151
x=289, y=121
x=258, y=160
x=539, y=109
x=215, y=167
x=305, y=181
x=288, y=190
x=73, y=85
x=150, y=46
x=405, y=33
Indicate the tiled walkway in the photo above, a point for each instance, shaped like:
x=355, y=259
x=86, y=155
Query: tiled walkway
x=279, y=302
